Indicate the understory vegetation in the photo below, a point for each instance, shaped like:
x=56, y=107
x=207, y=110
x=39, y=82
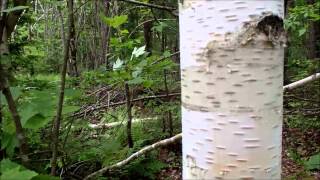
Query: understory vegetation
x=122, y=90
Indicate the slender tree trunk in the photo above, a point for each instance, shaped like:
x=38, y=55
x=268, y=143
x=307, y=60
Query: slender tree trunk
x=56, y=127
x=168, y=113
x=0, y=108
x=7, y=24
x=63, y=36
x=73, y=70
x=2, y=150
x=15, y=115
x=16, y=118
x=287, y=5
x=313, y=38
x=129, y=122
x=148, y=36
x=232, y=78
x=105, y=33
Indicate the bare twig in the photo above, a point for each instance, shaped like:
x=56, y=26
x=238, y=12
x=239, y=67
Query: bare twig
x=137, y=154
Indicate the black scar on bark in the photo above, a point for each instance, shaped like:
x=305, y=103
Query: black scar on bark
x=271, y=25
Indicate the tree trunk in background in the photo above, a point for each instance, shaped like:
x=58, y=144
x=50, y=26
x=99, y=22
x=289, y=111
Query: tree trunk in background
x=73, y=70
x=286, y=79
x=148, y=36
x=313, y=38
x=105, y=36
x=232, y=78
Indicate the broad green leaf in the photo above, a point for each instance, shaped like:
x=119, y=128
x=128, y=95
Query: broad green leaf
x=9, y=142
x=302, y=31
x=313, y=162
x=115, y=21
x=15, y=174
x=138, y=51
x=147, y=84
x=16, y=93
x=6, y=165
x=26, y=113
x=17, y=8
x=118, y=64
x=37, y=121
x=13, y=171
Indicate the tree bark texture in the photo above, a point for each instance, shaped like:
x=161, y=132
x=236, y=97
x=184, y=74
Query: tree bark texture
x=73, y=70
x=8, y=22
x=129, y=122
x=232, y=78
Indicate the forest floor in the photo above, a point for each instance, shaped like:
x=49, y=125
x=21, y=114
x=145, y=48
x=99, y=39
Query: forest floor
x=305, y=143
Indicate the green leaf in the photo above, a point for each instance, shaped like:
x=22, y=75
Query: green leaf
x=124, y=32
x=17, y=8
x=136, y=81
x=160, y=27
x=138, y=51
x=26, y=113
x=16, y=93
x=15, y=174
x=118, y=64
x=9, y=142
x=166, y=54
x=147, y=84
x=45, y=177
x=136, y=73
x=70, y=109
x=72, y=93
x=115, y=21
x=313, y=162
x=37, y=121
x=6, y=165
x=8, y=125
x=302, y=31
x=13, y=171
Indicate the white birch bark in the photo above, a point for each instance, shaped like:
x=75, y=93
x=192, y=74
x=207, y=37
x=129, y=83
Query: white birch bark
x=232, y=84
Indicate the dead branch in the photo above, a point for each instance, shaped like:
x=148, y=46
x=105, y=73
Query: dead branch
x=88, y=110
x=137, y=154
x=116, y=124
x=302, y=82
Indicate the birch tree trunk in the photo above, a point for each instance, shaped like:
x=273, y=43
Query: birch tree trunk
x=232, y=78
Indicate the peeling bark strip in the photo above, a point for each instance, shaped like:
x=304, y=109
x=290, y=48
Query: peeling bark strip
x=232, y=73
